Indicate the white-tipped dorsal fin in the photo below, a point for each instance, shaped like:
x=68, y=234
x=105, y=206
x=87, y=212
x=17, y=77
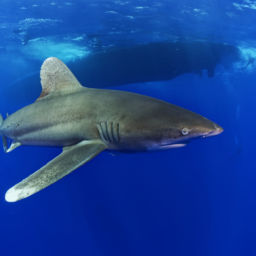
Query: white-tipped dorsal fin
x=56, y=78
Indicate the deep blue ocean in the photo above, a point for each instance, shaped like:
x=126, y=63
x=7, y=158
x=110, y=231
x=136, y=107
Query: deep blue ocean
x=199, y=200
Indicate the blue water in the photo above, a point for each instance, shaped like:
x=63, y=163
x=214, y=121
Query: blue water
x=199, y=200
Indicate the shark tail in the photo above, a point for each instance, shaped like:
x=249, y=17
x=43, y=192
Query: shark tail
x=5, y=142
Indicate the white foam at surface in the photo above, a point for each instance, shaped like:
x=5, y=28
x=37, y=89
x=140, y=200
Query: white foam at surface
x=247, y=59
x=28, y=23
x=247, y=4
x=42, y=48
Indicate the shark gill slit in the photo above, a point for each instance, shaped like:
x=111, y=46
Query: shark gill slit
x=109, y=131
x=101, y=132
x=117, y=134
x=114, y=128
x=112, y=131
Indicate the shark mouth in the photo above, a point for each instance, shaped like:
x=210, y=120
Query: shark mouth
x=179, y=145
x=214, y=132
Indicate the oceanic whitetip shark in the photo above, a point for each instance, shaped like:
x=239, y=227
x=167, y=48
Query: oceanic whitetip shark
x=85, y=121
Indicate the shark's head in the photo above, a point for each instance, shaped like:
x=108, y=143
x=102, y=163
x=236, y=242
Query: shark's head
x=187, y=126
x=179, y=126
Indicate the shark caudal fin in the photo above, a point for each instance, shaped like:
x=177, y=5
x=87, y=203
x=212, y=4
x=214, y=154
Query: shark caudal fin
x=4, y=139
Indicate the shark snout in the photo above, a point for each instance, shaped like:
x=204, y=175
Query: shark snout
x=215, y=131
x=218, y=129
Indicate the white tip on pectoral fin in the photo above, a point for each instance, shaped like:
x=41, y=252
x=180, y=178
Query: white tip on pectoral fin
x=14, y=195
x=70, y=159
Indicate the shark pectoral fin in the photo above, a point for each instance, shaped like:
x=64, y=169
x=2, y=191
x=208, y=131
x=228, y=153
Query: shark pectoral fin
x=70, y=159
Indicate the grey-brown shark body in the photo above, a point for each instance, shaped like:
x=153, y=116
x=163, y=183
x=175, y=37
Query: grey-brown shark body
x=87, y=121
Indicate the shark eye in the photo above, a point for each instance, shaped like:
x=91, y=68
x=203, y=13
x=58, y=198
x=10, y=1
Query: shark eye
x=185, y=131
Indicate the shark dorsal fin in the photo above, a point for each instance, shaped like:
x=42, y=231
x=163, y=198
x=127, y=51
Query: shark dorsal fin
x=56, y=78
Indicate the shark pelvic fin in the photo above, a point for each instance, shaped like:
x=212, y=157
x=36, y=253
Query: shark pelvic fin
x=70, y=159
x=56, y=78
x=14, y=145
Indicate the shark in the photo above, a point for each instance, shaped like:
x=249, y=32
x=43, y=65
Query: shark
x=86, y=121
